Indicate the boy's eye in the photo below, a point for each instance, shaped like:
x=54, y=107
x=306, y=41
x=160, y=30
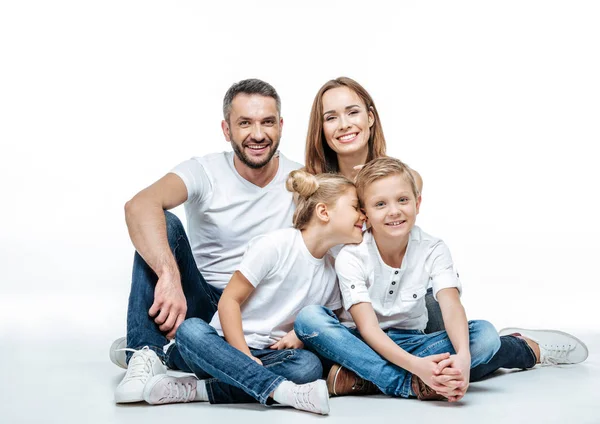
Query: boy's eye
x=403, y=199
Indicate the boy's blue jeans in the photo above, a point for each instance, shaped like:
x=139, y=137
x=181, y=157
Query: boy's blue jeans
x=320, y=329
x=199, y=340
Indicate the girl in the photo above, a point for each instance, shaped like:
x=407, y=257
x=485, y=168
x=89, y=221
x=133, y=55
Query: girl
x=250, y=346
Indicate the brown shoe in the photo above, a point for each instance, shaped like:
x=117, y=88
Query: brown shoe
x=342, y=382
x=423, y=391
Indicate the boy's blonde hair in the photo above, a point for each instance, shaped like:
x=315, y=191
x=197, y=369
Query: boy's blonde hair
x=309, y=190
x=380, y=168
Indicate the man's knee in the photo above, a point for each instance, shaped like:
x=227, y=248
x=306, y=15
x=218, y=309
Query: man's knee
x=487, y=340
x=307, y=367
x=310, y=320
x=174, y=227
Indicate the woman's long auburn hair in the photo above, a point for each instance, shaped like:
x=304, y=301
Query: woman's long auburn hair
x=319, y=157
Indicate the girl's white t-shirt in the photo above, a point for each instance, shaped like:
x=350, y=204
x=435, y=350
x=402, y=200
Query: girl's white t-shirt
x=286, y=278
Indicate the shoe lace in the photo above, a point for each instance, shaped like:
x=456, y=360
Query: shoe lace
x=303, y=398
x=556, y=354
x=140, y=364
x=179, y=392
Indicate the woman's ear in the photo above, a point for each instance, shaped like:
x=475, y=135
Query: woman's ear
x=371, y=116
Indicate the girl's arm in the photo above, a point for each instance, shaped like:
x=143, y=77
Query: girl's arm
x=230, y=315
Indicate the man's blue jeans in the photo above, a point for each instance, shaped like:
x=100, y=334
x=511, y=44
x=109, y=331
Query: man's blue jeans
x=513, y=353
x=238, y=378
x=202, y=298
x=320, y=329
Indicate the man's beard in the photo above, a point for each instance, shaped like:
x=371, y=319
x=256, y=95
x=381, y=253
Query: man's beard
x=239, y=152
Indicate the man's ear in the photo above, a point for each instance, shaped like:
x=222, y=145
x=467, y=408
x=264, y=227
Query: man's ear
x=226, y=131
x=322, y=212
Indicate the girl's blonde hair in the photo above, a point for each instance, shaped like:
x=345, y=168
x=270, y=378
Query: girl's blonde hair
x=309, y=190
x=319, y=156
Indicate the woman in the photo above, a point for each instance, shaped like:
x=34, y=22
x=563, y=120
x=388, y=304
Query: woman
x=344, y=133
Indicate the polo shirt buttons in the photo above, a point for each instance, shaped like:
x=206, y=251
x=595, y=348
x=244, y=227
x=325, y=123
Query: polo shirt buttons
x=395, y=272
x=391, y=291
x=352, y=286
x=393, y=283
x=414, y=296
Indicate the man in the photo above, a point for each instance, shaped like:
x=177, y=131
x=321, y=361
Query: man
x=229, y=198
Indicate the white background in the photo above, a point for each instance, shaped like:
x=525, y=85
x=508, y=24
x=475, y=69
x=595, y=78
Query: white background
x=496, y=104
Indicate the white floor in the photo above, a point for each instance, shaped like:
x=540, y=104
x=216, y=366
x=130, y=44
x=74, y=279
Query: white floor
x=72, y=380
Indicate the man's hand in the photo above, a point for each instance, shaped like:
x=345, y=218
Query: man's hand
x=169, y=304
x=289, y=341
x=455, y=369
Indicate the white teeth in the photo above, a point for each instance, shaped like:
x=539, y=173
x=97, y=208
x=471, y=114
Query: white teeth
x=394, y=223
x=347, y=137
x=256, y=147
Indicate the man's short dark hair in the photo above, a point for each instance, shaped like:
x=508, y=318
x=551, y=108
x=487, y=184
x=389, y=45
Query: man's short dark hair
x=249, y=86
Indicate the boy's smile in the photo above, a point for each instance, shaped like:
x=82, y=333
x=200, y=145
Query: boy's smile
x=391, y=207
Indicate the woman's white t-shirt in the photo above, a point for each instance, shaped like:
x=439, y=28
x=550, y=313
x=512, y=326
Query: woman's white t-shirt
x=286, y=278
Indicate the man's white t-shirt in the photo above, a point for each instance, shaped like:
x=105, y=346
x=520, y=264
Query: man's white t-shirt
x=225, y=211
x=286, y=278
x=397, y=294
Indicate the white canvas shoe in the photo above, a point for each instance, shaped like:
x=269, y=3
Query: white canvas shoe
x=143, y=365
x=117, y=352
x=556, y=347
x=311, y=397
x=164, y=388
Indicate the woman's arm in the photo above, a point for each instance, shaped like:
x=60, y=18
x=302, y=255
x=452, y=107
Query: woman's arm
x=229, y=310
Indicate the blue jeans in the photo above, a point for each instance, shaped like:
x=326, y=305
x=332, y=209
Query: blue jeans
x=320, y=329
x=238, y=378
x=513, y=353
x=202, y=298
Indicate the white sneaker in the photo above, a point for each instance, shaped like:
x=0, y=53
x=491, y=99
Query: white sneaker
x=168, y=389
x=143, y=365
x=556, y=347
x=117, y=352
x=311, y=397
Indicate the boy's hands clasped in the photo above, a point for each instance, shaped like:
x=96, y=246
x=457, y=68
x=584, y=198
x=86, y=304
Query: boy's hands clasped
x=447, y=374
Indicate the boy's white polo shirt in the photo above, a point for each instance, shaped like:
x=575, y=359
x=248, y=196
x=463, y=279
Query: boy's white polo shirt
x=286, y=278
x=225, y=211
x=397, y=294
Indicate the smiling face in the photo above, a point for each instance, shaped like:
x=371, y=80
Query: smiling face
x=346, y=218
x=346, y=122
x=391, y=206
x=254, y=129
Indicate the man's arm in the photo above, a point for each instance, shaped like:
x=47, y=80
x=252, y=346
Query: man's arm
x=145, y=218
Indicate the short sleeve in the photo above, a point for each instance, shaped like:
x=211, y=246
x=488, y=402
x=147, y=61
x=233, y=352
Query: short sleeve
x=352, y=278
x=441, y=269
x=195, y=178
x=260, y=258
